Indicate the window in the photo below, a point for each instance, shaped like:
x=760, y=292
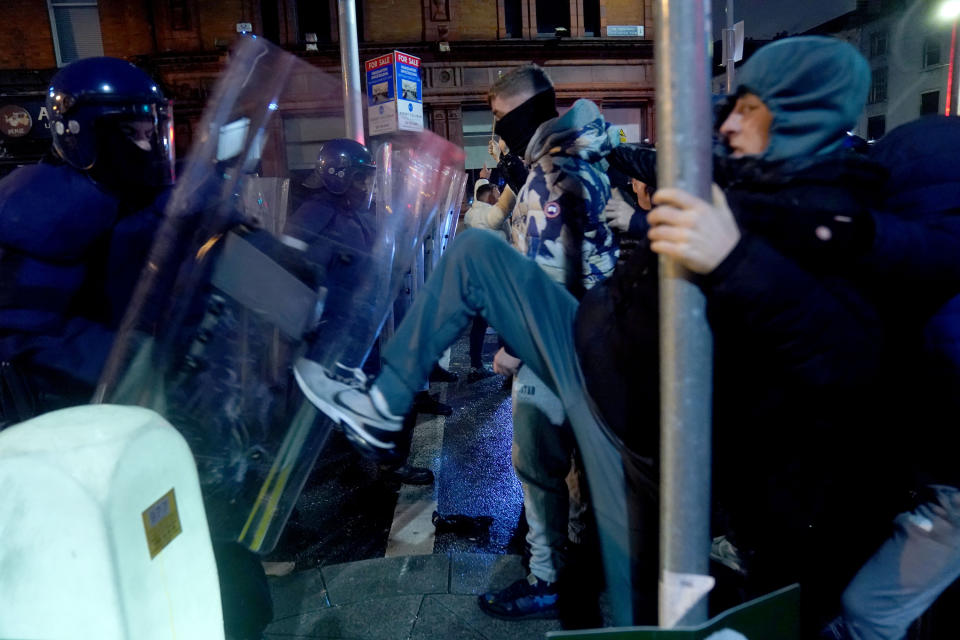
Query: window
x=179, y=15
x=477, y=131
x=627, y=122
x=878, y=43
x=930, y=103
x=878, y=86
x=270, y=21
x=360, y=20
x=931, y=52
x=313, y=17
x=552, y=15
x=547, y=18
x=591, y=18
x=76, y=30
x=876, y=127
x=513, y=18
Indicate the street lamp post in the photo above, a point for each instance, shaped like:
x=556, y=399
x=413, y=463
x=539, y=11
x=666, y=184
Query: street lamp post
x=350, y=68
x=686, y=345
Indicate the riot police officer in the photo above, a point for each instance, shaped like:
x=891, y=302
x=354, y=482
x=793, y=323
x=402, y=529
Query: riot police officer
x=336, y=226
x=75, y=230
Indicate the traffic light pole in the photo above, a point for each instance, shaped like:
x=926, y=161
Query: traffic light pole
x=684, y=119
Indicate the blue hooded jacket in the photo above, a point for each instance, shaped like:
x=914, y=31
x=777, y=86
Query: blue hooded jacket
x=558, y=220
x=815, y=86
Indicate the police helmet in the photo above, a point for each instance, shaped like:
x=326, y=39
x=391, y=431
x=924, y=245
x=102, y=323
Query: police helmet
x=342, y=165
x=109, y=118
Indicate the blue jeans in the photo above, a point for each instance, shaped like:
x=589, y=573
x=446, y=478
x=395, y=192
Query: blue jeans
x=909, y=571
x=482, y=275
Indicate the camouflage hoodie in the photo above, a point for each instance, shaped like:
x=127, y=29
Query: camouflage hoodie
x=558, y=220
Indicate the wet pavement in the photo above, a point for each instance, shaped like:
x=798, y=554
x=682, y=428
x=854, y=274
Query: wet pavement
x=422, y=597
x=347, y=508
x=368, y=561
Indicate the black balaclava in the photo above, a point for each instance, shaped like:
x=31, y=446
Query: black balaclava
x=517, y=127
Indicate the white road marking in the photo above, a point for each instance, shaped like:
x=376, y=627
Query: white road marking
x=412, y=532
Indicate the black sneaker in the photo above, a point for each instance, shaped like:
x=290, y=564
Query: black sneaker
x=364, y=415
x=479, y=373
x=408, y=474
x=530, y=597
x=439, y=374
x=429, y=404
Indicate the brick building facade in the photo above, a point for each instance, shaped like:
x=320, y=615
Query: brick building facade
x=464, y=45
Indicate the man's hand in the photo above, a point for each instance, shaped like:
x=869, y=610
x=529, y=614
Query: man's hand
x=485, y=172
x=505, y=364
x=618, y=212
x=494, y=150
x=694, y=232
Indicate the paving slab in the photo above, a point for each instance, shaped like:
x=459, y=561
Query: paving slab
x=387, y=618
x=383, y=577
x=476, y=573
x=404, y=598
x=462, y=611
x=297, y=593
x=437, y=620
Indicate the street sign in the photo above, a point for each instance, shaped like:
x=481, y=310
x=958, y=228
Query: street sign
x=737, y=44
x=625, y=30
x=394, y=93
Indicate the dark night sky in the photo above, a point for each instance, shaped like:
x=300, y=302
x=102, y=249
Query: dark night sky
x=764, y=18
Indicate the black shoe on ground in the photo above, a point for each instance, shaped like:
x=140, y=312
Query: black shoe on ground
x=426, y=403
x=530, y=597
x=479, y=373
x=408, y=474
x=439, y=374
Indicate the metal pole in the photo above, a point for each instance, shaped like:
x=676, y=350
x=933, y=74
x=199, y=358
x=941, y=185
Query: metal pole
x=684, y=160
x=731, y=40
x=350, y=68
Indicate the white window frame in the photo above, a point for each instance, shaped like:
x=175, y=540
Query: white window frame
x=52, y=5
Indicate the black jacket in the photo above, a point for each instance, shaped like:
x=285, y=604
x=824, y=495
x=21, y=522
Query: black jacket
x=797, y=347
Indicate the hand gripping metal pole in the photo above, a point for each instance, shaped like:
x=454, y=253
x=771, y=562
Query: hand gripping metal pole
x=684, y=130
x=350, y=68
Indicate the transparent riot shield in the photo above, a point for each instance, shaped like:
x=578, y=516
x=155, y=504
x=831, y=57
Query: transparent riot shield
x=445, y=225
x=230, y=298
x=413, y=179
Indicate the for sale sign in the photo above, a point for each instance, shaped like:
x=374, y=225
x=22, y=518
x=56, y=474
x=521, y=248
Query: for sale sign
x=394, y=93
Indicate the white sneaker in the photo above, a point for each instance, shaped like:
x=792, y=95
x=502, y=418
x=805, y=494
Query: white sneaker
x=365, y=416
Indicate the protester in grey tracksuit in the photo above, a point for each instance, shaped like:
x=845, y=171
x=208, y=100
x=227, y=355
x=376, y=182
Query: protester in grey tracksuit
x=558, y=222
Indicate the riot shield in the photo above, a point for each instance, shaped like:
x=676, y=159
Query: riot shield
x=445, y=225
x=229, y=299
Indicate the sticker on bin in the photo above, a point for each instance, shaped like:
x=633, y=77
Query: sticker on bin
x=161, y=522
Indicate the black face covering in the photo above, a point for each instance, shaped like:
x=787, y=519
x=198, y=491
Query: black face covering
x=517, y=127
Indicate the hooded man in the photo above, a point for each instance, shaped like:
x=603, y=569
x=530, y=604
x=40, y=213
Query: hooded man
x=796, y=343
